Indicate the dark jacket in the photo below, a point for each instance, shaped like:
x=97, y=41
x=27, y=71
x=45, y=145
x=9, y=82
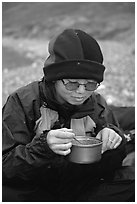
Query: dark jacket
x=27, y=157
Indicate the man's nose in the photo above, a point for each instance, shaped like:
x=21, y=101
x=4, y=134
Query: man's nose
x=81, y=88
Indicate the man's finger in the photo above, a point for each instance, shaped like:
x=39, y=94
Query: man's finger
x=66, y=130
x=99, y=135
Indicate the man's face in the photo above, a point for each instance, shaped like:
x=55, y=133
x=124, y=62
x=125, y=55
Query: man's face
x=74, y=97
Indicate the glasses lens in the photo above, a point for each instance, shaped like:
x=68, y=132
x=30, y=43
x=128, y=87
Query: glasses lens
x=72, y=86
x=91, y=86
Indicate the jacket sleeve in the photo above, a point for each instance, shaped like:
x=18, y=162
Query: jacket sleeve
x=111, y=159
x=23, y=152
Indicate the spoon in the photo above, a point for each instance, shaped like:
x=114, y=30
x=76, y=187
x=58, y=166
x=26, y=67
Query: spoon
x=77, y=140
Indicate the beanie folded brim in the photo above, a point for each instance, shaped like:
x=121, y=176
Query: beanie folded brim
x=74, y=69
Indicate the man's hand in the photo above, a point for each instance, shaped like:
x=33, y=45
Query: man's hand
x=60, y=140
x=110, y=139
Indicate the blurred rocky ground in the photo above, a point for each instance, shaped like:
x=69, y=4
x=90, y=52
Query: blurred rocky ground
x=28, y=27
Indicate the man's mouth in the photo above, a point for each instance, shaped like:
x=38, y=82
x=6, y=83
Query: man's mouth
x=79, y=98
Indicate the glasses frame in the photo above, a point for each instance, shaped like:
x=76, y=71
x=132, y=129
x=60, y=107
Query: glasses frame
x=98, y=84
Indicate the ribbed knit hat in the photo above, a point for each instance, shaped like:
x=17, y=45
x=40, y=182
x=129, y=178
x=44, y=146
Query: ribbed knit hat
x=74, y=55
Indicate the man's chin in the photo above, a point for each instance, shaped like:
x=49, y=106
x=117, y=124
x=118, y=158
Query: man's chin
x=76, y=103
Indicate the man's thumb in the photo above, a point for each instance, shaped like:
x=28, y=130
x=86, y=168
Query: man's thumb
x=99, y=136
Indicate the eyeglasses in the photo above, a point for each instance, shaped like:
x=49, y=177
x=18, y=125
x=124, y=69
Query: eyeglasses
x=72, y=86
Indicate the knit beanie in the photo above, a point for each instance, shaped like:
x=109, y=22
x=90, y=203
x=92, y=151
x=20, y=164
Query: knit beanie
x=74, y=54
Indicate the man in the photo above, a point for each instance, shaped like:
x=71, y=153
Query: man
x=41, y=119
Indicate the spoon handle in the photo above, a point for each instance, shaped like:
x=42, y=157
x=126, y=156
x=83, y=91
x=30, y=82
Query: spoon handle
x=77, y=140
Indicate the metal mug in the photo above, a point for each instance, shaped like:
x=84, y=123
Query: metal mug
x=87, y=150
